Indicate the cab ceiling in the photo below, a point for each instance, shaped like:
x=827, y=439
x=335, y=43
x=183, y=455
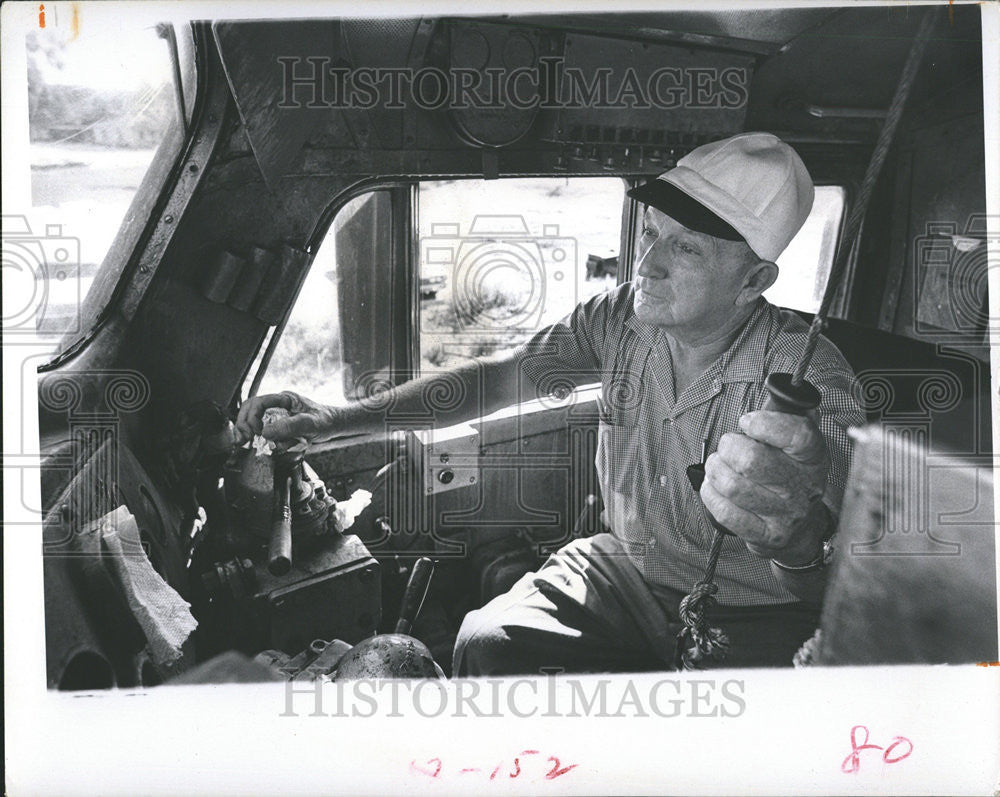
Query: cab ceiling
x=796, y=60
x=759, y=31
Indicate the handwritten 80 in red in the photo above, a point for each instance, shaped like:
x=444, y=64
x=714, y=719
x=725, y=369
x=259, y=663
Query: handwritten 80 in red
x=535, y=765
x=900, y=748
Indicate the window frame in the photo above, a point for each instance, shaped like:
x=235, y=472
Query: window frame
x=406, y=306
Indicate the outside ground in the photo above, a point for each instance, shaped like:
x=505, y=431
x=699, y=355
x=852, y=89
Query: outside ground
x=84, y=190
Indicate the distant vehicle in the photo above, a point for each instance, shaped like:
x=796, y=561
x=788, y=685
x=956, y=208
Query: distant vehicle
x=432, y=280
x=598, y=266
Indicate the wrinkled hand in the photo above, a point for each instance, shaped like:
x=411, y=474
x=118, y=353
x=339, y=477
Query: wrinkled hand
x=765, y=485
x=306, y=419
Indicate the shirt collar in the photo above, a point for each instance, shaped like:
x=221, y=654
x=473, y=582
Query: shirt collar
x=745, y=360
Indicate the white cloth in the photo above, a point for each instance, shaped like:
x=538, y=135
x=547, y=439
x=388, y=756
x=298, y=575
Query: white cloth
x=164, y=616
x=346, y=512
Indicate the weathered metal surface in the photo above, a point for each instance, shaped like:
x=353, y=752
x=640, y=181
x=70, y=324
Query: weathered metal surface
x=387, y=656
x=914, y=578
x=276, y=125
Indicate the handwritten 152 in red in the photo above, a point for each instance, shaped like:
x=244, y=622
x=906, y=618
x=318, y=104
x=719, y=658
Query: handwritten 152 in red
x=900, y=748
x=552, y=769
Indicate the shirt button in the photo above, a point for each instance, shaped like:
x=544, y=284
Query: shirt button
x=652, y=542
x=716, y=384
x=663, y=481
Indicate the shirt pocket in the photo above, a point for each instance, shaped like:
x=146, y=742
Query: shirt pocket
x=619, y=459
x=695, y=535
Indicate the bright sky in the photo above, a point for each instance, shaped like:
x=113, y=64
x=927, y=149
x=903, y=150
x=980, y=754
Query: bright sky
x=111, y=49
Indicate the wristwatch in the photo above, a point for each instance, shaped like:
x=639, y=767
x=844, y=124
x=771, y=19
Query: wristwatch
x=820, y=562
x=825, y=555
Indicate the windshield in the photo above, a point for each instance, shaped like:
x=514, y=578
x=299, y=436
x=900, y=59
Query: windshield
x=103, y=111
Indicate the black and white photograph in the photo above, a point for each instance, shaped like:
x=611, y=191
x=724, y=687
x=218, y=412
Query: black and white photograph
x=554, y=398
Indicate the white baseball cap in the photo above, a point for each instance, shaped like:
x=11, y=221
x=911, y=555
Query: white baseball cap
x=751, y=187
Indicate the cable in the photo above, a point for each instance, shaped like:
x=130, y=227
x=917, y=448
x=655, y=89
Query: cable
x=860, y=208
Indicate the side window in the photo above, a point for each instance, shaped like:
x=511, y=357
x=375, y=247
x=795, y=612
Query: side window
x=101, y=100
x=804, y=266
x=306, y=357
x=309, y=356
x=495, y=262
x=500, y=259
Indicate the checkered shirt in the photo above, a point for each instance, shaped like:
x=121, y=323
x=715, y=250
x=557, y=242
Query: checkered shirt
x=647, y=438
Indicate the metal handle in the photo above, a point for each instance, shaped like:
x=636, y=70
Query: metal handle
x=279, y=552
x=413, y=596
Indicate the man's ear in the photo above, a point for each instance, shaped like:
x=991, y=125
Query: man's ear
x=758, y=279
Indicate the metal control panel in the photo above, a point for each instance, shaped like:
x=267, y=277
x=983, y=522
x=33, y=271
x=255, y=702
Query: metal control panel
x=448, y=458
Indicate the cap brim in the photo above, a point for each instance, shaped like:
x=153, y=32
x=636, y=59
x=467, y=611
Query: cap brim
x=683, y=208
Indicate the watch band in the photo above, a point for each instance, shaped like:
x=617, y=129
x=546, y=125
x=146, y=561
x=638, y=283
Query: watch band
x=825, y=555
x=818, y=563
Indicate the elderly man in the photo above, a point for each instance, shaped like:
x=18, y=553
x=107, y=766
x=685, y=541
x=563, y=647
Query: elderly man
x=682, y=353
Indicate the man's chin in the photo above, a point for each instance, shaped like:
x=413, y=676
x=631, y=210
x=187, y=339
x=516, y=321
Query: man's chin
x=655, y=314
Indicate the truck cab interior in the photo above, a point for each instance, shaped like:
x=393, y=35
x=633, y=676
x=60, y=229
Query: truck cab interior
x=342, y=205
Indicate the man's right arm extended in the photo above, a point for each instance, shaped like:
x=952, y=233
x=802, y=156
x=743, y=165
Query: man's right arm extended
x=479, y=388
x=567, y=352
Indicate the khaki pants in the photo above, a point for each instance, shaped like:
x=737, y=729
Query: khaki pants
x=588, y=609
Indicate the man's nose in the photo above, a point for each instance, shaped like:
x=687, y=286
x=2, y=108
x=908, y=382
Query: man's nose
x=648, y=265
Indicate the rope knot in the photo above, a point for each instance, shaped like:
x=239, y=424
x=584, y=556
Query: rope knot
x=697, y=643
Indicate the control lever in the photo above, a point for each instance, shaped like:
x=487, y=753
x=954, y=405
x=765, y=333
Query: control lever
x=279, y=549
x=414, y=594
x=696, y=640
x=396, y=655
x=287, y=474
